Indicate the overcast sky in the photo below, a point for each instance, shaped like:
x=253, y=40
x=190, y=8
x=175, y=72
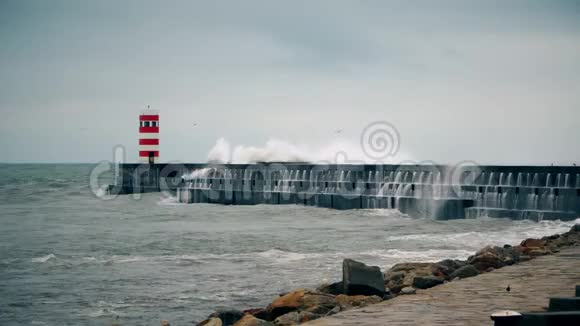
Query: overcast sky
x=489, y=81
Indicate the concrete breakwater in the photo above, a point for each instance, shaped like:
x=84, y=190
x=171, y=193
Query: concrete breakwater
x=435, y=191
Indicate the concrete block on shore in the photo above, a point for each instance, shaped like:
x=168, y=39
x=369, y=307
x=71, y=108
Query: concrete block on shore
x=361, y=279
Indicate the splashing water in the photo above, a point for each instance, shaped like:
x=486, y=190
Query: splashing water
x=275, y=150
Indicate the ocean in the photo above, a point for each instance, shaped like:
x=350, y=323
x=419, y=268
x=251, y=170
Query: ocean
x=68, y=257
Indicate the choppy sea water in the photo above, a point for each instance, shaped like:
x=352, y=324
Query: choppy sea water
x=70, y=258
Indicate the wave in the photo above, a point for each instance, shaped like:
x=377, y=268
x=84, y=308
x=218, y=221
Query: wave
x=169, y=201
x=281, y=256
x=429, y=255
x=196, y=174
x=104, y=312
x=43, y=259
x=274, y=255
x=512, y=235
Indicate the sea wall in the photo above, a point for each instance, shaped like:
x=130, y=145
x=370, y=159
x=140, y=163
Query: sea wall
x=435, y=191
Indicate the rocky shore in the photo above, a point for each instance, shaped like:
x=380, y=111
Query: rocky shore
x=364, y=285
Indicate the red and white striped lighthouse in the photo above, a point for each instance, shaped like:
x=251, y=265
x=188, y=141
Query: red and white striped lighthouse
x=149, y=136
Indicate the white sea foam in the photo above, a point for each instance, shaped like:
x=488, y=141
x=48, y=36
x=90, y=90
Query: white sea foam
x=43, y=259
x=428, y=255
x=105, y=312
x=196, y=174
x=511, y=235
x=280, y=256
x=169, y=201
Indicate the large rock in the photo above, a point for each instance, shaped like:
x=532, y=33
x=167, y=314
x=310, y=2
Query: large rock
x=227, y=316
x=452, y=265
x=349, y=301
x=402, y=275
x=465, y=272
x=397, y=280
x=300, y=299
x=565, y=239
x=334, y=288
x=295, y=318
x=408, y=290
x=259, y=313
x=494, y=257
x=249, y=320
x=426, y=282
x=361, y=279
x=211, y=322
x=533, y=243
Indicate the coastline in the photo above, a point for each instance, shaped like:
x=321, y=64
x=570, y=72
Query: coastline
x=359, y=287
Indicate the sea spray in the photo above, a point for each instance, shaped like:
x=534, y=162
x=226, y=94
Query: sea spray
x=339, y=151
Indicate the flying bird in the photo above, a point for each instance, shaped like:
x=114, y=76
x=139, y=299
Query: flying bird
x=338, y=131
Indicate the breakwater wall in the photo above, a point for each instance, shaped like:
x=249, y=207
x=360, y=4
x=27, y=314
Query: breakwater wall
x=435, y=191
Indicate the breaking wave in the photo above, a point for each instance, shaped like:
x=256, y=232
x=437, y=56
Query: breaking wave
x=275, y=150
x=43, y=259
x=511, y=235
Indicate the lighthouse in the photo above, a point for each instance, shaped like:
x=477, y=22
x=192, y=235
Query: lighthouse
x=149, y=136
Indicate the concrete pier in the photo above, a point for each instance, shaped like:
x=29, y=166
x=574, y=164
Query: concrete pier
x=471, y=301
x=435, y=191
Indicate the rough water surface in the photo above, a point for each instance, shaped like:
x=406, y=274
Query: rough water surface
x=68, y=257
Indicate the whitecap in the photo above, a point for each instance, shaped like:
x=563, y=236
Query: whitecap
x=168, y=201
x=43, y=259
x=105, y=312
x=280, y=256
x=512, y=235
x=429, y=255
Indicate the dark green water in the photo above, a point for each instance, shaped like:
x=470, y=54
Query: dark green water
x=67, y=257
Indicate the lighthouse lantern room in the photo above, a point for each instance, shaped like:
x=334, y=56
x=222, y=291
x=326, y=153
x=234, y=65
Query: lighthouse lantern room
x=149, y=136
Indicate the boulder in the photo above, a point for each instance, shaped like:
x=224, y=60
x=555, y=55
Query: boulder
x=425, y=282
x=533, y=243
x=349, y=301
x=319, y=310
x=252, y=311
x=295, y=318
x=452, y=264
x=289, y=319
x=465, y=272
x=421, y=269
x=495, y=257
x=485, y=260
x=334, y=288
x=403, y=275
x=249, y=320
x=227, y=316
x=361, y=279
x=211, y=322
x=408, y=290
x=395, y=281
x=165, y=323
x=300, y=299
